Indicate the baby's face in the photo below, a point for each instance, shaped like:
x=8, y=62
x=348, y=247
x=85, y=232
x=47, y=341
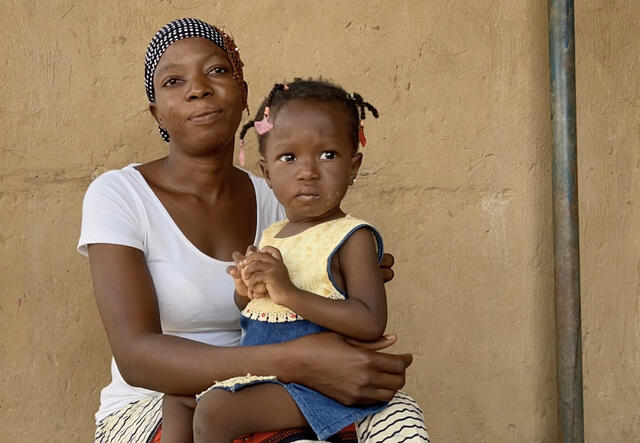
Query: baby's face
x=309, y=159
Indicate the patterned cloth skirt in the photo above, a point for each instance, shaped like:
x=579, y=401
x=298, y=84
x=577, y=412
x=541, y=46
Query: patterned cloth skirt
x=141, y=422
x=398, y=421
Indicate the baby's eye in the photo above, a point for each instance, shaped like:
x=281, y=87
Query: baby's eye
x=328, y=155
x=287, y=158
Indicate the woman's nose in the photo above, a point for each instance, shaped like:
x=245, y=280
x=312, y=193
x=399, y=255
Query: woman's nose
x=200, y=88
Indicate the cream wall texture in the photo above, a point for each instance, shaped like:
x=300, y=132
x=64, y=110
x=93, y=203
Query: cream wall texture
x=456, y=176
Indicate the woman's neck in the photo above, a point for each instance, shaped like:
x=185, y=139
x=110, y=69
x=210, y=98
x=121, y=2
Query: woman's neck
x=198, y=174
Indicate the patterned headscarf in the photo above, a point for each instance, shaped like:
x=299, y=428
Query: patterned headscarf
x=186, y=28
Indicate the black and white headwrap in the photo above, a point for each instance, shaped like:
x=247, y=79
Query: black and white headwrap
x=186, y=28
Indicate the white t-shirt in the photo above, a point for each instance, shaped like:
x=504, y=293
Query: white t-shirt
x=195, y=294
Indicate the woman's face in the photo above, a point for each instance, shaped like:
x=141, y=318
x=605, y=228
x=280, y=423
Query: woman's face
x=197, y=99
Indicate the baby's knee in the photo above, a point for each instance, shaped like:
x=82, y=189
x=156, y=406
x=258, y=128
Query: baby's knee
x=212, y=415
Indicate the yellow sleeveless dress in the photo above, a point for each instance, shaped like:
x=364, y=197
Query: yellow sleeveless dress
x=307, y=257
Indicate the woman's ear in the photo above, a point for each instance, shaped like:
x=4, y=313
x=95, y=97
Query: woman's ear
x=245, y=95
x=265, y=171
x=154, y=111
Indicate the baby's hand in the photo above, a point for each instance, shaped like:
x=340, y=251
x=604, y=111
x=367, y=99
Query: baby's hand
x=266, y=269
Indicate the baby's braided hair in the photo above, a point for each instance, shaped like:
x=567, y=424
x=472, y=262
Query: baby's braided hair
x=319, y=91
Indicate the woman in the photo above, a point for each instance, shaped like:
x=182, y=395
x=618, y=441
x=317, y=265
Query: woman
x=159, y=237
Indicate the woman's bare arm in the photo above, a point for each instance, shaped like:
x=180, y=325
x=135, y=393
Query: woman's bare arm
x=128, y=306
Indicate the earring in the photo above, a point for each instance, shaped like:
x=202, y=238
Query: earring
x=353, y=180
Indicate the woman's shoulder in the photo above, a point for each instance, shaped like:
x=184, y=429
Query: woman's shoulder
x=117, y=190
x=115, y=180
x=112, y=211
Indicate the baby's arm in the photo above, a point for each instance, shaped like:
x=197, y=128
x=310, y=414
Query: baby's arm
x=240, y=294
x=363, y=315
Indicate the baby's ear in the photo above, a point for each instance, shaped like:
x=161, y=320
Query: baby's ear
x=265, y=171
x=356, y=161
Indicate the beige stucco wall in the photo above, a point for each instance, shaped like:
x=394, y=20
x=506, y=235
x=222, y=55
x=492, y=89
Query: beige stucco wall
x=456, y=175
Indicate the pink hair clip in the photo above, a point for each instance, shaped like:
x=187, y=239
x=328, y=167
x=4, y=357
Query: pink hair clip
x=263, y=126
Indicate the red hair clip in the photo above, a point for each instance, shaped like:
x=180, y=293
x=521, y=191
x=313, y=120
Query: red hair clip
x=361, y=137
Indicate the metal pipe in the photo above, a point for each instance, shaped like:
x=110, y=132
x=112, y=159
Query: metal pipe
x=565, y=220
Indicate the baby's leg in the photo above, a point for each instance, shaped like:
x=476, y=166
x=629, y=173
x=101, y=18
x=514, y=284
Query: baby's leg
x=222, y=416
x=177, y=419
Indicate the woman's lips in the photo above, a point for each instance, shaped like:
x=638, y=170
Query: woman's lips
x=205, y=116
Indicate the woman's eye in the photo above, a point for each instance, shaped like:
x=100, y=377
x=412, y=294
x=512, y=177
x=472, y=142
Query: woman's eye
x=171, y=82
x=217, y=70
x=287, y=158
x=328, y=155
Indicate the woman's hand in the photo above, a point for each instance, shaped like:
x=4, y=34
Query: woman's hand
x=235, y=273
x=386, y=265
x=347, y=370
